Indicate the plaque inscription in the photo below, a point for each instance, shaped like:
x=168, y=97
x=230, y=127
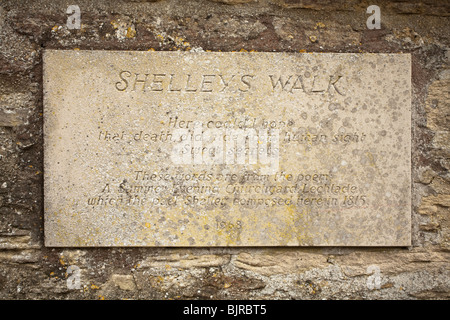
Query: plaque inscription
x=226, y=149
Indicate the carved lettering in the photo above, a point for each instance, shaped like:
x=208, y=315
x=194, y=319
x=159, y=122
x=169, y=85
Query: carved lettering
x=279, y=81
x=246, y=80
x=208, y=83
x=157, y=82
x=287, y=84
x=224, y=82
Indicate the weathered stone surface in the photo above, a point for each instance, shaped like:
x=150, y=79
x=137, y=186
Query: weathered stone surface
x=226, y=149
x=416, y=27
x=279, y=263
x=317, y=5
x=234, y=1
x=16, y=52
x=439, y=8
x=12, y=118
x=14, y=242
x=356, y=264
x=438, y=103
x=124, y=281
x=185, y=261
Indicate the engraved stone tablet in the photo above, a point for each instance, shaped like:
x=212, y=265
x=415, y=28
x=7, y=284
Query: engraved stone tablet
x=227, y=149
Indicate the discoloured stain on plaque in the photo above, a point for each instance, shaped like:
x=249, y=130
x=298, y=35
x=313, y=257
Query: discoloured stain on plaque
x=227, y=149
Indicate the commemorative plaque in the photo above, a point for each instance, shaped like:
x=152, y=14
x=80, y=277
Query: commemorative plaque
x=226, y=149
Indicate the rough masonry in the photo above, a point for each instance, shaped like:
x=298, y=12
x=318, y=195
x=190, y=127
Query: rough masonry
x=30, y=270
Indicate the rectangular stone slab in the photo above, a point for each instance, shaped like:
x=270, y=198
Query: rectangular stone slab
x=226, y=149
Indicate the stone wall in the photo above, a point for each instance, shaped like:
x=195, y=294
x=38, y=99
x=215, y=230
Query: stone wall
x=28, y=270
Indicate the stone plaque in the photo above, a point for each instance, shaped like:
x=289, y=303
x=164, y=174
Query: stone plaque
x=227, y=149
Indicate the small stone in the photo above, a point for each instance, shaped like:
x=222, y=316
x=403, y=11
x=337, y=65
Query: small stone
x=124, y=282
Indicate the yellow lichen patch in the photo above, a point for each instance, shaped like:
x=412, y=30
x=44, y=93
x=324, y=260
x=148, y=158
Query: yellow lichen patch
x=131, y=32
x=313, y=38
x=178, y=40
x=94, y=287
x=319, y=25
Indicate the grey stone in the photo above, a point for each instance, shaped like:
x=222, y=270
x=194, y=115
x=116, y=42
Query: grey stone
x=139, y=149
